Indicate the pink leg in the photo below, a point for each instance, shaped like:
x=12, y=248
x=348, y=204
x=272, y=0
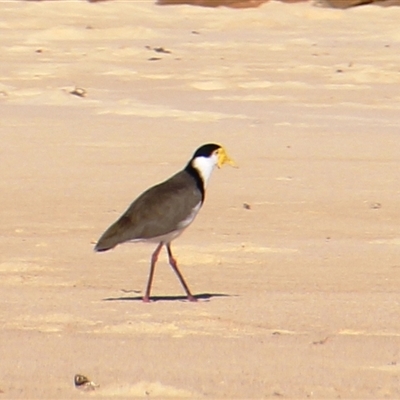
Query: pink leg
x=174, y=266
x=154, y=259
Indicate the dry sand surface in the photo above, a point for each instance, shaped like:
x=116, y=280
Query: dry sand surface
x=298, y=292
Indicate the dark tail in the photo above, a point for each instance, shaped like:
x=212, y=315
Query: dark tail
x=101, y=246
x=104, y=243
x=99, y=249
x=114, y=235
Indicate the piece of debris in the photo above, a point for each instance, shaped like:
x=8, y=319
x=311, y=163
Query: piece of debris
x=375, y=206
x=246, y=206
x=322, y=341
x=161, y=50
x=130, y=291
x=154, y=58
x=158, y=49
x=80, y=92
x=84, y=383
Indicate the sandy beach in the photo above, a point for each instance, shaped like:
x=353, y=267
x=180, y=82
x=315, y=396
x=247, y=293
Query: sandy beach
x=295, y=256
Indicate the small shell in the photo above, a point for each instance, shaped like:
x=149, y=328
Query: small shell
x=84, y=383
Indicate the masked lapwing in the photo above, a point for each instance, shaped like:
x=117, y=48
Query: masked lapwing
x=164, y=211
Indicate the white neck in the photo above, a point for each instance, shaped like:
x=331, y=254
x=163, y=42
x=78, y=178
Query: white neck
x=205, y=166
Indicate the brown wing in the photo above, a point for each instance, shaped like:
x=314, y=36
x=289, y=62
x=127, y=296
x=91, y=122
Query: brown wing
x=156, y=212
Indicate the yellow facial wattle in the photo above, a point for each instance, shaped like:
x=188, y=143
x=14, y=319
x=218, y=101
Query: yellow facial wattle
x=223, y=158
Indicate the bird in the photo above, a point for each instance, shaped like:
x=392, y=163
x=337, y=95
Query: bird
x=161, y=213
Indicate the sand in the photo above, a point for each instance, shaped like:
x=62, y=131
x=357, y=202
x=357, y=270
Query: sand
x=295, y=256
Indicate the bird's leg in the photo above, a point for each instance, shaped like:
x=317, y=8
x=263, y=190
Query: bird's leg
x=154, y=259
x=174, y=266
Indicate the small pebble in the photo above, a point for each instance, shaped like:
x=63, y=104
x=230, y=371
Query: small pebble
x=79, y=92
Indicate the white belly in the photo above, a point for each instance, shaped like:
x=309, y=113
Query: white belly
x=190, y=218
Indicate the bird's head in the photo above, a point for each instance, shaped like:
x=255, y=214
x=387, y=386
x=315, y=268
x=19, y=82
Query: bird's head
x=215, y=154
x=207, y=157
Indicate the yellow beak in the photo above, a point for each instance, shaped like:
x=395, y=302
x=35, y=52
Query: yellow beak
x=223, y=158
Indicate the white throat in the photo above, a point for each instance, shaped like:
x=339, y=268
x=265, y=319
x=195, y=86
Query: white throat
x=205, y=166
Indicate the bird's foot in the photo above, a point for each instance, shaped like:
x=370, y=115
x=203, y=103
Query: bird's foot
x=192, y=298
x=146, y=299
